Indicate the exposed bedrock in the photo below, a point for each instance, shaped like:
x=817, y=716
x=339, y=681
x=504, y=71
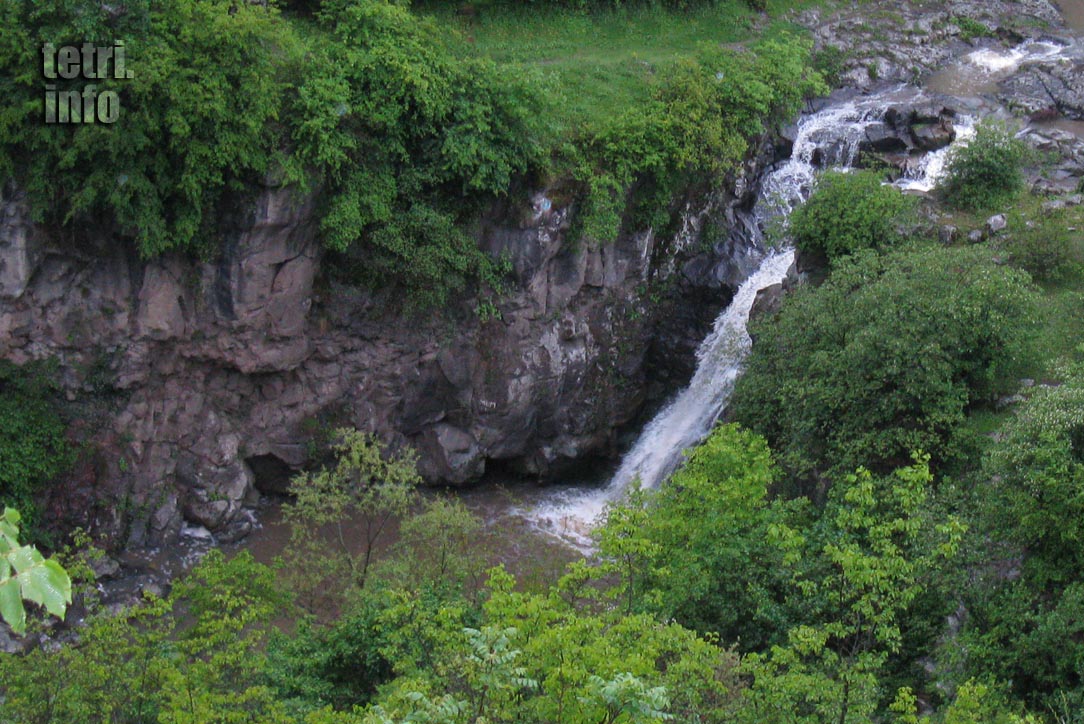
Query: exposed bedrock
x=209, y=380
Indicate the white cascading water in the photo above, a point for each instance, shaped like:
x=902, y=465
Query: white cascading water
x=831, y=137
x=924, y=175
x=688, y=418
x=684, y=422
x=995, y=60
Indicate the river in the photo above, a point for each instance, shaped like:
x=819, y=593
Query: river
x=533, y=525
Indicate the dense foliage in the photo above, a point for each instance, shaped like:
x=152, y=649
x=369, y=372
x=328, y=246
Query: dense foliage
x=698, y=124
x=1026, y=625
x=699, y=551
x=1047, y=248
x=885, y=358
x=848, y=212
x=401, y=135
x=988, y=170
x=829, y=604
x=33, y=448
x=401, y=131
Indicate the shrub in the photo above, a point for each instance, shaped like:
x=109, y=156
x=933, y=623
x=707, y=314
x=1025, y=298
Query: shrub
x=885, y=357
x=697, y=127
x=1045, y=249
x=987, y=170
x=1026, y=628
x=711, y=565
x=848, y=212
x=971, y=28
x=830, y=61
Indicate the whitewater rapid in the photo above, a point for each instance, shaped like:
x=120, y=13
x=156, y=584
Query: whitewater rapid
x=828, y=138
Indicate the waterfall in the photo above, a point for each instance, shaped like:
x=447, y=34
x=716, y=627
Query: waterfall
x=828, y=138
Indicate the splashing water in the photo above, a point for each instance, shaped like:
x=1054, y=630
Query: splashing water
x=684, y=422
x=1002, y=62
x=827, y=138
x=929, y=169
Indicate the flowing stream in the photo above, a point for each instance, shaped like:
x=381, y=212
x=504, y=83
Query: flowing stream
x=829, y=137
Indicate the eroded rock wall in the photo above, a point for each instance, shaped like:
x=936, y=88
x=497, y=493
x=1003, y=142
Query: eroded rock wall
x=207, y=371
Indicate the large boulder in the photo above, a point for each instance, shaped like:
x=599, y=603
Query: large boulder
x=1047, y=87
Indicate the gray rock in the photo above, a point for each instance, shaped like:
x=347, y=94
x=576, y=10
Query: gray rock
x=11, y=643
x=225, y=362
x=105, y=568
x=1047, y=87
x=20, y=246
x=975, y=236
x=933, y=136
x=1009, y=400
x=768, y=301
x=948, y=234
x=996, y=224
x=882, y=138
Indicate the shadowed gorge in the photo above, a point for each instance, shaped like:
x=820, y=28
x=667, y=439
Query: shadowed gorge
x=588, y=361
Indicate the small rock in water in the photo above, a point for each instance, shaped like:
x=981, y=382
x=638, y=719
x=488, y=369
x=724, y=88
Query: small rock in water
x=235, y=531
x=996, y=223
x=196, y=532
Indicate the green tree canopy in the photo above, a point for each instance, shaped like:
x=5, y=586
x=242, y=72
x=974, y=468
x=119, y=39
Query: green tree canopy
x=848, y=212
x=885, y=357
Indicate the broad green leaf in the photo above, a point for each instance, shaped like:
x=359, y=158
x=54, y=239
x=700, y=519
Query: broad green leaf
x=47, y=584
x=24, y=558
x=11, y=605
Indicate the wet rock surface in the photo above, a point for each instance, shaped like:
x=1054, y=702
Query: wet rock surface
x=208, y=375
x=216, y=376
x=902, y=42
x=1048, y=88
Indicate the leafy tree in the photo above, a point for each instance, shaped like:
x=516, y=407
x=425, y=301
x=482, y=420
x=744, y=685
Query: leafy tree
x=340, y=664
x=698, y=551
x=25, y=575
x=861, y=572
x=193, y=657
x=1037, y=478
x=439, y=548
x=339, y=515
x=1025, y=612
x=561, y=655
x=988, y=170
x=884, y=358
x=848, y=212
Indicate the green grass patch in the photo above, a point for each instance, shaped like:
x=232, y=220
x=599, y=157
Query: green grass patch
x=600, y=64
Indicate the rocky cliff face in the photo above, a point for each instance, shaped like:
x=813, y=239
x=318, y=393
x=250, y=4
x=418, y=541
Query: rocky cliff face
x=210, y=377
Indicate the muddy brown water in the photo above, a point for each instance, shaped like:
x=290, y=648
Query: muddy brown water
x=506, y=537
x=1073, y=13
x=1063, y=124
